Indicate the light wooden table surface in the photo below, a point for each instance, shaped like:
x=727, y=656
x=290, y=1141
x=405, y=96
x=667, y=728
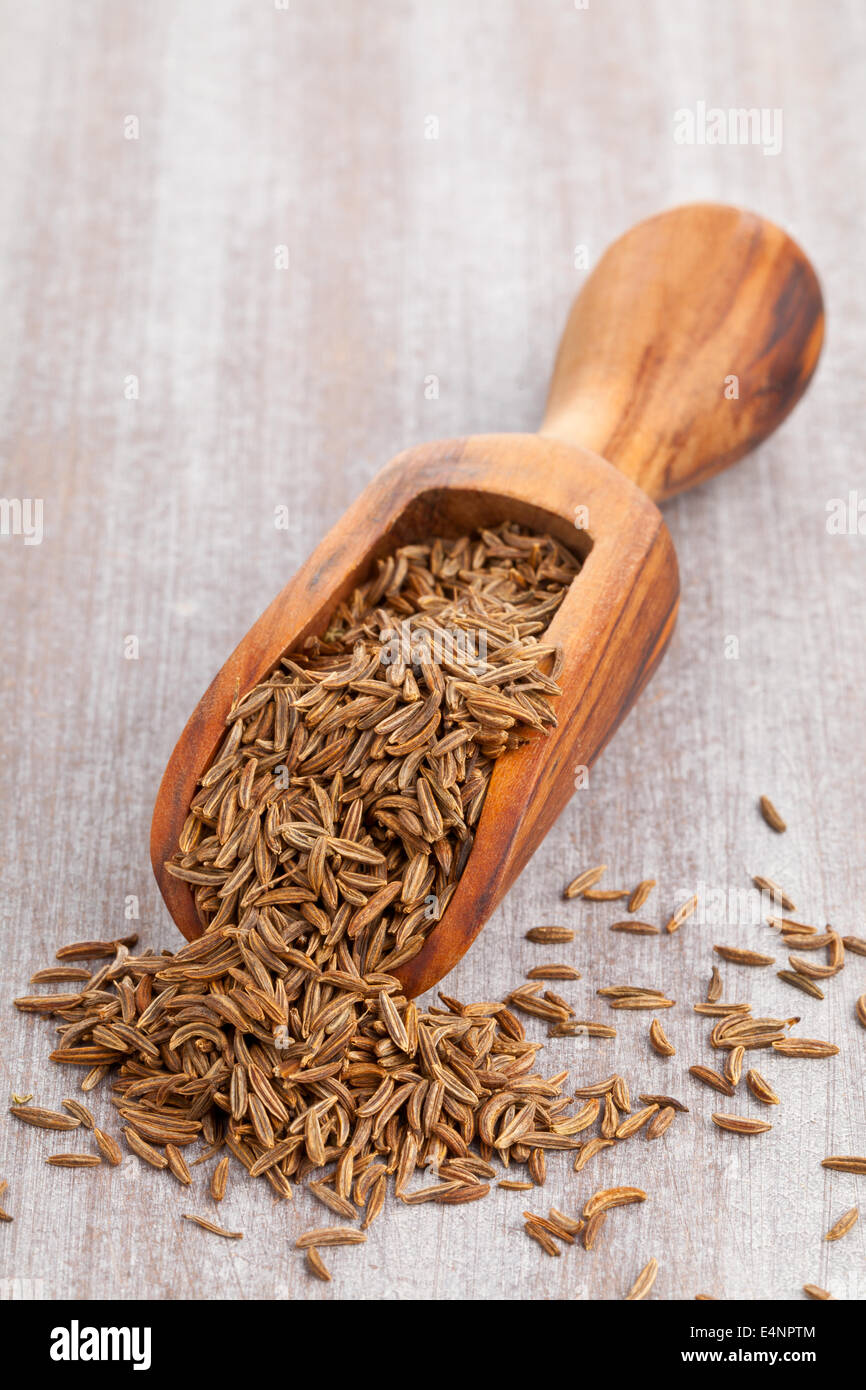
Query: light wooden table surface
x=165, y=387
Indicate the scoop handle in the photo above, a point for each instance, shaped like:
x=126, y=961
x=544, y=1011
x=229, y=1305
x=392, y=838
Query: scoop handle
x=692, y=339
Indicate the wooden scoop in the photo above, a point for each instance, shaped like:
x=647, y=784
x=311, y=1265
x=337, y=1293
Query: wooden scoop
x=690, y=342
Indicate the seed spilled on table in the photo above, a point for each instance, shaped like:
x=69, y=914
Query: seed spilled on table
x=323, y=844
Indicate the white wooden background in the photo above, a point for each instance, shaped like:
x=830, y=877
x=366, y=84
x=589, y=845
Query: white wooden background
x=411, y=257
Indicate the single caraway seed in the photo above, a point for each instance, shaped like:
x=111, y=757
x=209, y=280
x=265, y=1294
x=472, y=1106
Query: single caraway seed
x=639, y=895
x=44, y=1119
x=537, y=1166
x=553, y=972
x=59, y=974
x=219, y=1179
x=79, y=1112
x=664, y=1102
x=860, y=1010
x=740, y=1124
x=550, y=935
x=144, y=1150
x=812, y=1291
x=588, y=879
x=761, y=1089
x=44, y=1003
x=316, y=1265
x=714, y=988
x=597, y=1088
x=589, y=1150
x=771, y=816
x=375, y=1201
x=621, y=1094
x=567, y=1223
x=836, y=951
x=330, y=1235
x=811, y=941
x=586, y=1115
x=737, y=956
x=609, y=1197
x=793, y=977
x=712, y=1078
x=804, y=1047
x=642, y=1001
x=630, y=992
x=177, y=1165
x=660, y=1122
x=610, y=1119
x=433, y=1193
x=537, y=1233
x=558, y=1002
x=94, y=1076
x=581, y=1028
x=341, y=1206
x=637, y=928
x=767, y=885
x=74, y=1160
x=659, y=1041
x=855, y=944
x=811, y=970
x=82, y=950
x=845, y=1163
x=211, y=1226
x=841, y=1227
x=718, y=1010
x=635, y=1122
x=108, y=1147
x=643, y=1283
x=604, y=895
x=734, y=1065
x=592, y=1229
x=516, y=1186
x=682, y=914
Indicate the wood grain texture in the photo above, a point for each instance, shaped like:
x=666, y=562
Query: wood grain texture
x=695, y=335
x=409, y=259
